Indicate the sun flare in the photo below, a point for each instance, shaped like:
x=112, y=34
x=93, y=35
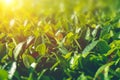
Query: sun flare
x=9, y=4
x=8, y=1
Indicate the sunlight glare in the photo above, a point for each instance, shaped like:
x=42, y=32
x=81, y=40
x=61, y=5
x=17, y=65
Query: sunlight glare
x=8, y=1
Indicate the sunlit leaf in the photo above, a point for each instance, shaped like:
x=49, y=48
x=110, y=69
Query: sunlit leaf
x=3, y=75
x=29, y=41
x=94, y=33
x=41, y=49
x=12, y=70
x=69, y=35
x=12, y=22
x=82, y=77
x=88, y=34
x=17, y=50
x=74, y=62
x=90, y=47
x=59, y=39
x=68, y=55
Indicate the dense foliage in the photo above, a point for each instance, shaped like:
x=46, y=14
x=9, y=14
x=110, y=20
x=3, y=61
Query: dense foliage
x=60, y=40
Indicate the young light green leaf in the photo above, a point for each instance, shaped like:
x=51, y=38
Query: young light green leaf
x=41, y=49
x=3, y=75
x=69, y=35
x=82, y=77
x=74, y=62
x=110, y=51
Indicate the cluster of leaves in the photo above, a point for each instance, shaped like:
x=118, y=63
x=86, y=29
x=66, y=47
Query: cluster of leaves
x=79, y=43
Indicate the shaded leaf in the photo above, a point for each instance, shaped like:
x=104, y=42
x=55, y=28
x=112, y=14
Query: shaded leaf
x=27, y=60
x=63, y=50
x=102, y=47
x=103, y=67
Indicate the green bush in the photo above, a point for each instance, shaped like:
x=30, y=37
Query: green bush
x=60, y=40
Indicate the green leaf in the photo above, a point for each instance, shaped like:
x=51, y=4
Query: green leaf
x=69, y=38
x=29, y=41
x=82, y=77
x=106, y=70
x=102, y=68
x=74, y=62
x=88, y=34
x=12, y=70
x=118, y=71
x=2, y=35
x=115, y=43
x=102, y=47
x=115, y=73
x=46, y=78
x=105, y=31
x=90, y=47
x=110, y=51
x=69, y=35
x=55, y=65
x=16, y=75
x=3, y=75
x=41, y=49
x=94, y=33
x=27, y=60
x=10, y=47
x=17, y=50
x=63, y=50
x=41, y=74
x=2, y=50
x=61, y=60
x=68, y=55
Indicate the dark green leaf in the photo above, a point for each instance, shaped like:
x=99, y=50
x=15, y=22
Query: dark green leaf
x=103, y=67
